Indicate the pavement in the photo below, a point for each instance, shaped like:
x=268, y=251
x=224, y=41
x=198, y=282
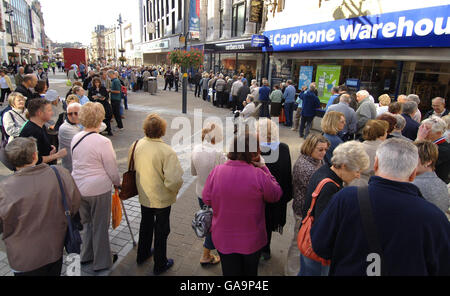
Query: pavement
x=183, y=246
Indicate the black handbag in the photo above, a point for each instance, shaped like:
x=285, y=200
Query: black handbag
x=129, y=188
x=72, y=241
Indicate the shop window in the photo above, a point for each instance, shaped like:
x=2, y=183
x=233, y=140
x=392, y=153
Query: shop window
x=173, y=22
x=280, y=5
x=221, y=23
x=180, y=11
x=238, y=19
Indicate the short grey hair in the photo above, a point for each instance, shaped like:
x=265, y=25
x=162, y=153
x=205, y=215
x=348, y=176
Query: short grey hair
x=401, y=122
x=437, y=124
x=442, y=100
x=363, y=93
x=351, y=154
x=312, y=87
x=73, y=105
x=19, y=152
x=409, y=107
x=345, y=98
x=111, y=72
x=413, y=98
x=397, y=157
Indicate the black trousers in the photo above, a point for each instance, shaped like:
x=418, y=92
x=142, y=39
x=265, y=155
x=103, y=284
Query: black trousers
x=116, y=112
x=52, y=269
x=4, y=94
x=239, y=264
x=234, y=103
x=168, y=83
x=220, y=98
x=157, y=221
x=205, y=94
x=197, y=90
x=305, y=121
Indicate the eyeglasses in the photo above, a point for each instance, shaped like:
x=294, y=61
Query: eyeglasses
x=72, y=113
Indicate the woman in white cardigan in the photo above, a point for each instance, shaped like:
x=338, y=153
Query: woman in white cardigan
x=205, y=157
x=14, y=119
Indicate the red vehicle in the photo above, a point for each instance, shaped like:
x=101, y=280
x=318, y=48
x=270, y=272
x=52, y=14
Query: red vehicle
x=74, y=56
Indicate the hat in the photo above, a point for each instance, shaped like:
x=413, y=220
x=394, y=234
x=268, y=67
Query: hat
x=51, y=95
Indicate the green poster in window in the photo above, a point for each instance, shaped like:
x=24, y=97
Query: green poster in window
x=327, y=77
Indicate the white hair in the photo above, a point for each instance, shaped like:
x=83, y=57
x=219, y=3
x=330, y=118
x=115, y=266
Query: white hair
x=72, y=105
x=268, y=131
x=438, y=125
x=409, y=107
x=351, y=154
x=397, y=158
x=413, y=98
x=363, y=93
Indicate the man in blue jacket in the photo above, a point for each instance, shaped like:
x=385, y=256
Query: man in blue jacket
x=310, y=103
x=413, y=234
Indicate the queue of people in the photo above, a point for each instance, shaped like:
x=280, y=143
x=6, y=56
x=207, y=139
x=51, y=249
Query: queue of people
x=403, y=177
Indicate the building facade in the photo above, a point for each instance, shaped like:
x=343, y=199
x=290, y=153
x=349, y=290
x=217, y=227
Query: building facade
x=98, y=46
x=392, y=47
x=27, y=27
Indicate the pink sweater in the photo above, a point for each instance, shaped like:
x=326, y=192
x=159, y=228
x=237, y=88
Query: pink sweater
x=237, y=193
x=94, y=164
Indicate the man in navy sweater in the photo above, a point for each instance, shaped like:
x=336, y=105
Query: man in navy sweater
x=310, y=103
x=414, y=234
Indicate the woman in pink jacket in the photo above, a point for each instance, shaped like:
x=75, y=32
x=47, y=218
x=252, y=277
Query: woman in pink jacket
x=237, y=192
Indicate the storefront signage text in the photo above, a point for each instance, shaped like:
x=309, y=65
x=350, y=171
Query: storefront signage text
x=427, y=27
x=234, y=47
x=156, y=45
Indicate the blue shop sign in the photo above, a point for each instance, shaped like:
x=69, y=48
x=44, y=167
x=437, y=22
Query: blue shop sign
x=259, y=41
x=425, y=27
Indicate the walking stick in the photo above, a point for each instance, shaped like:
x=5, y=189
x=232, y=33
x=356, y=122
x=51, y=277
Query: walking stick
x=128, y=223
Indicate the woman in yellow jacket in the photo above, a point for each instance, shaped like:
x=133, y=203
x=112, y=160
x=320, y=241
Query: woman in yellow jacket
x=5, y=85
x=158, y=179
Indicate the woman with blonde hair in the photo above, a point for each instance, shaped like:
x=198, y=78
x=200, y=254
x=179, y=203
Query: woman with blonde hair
x=332, y=123
x=14, y=119
x=205, y=157
x=311, y=157
x=94, y=169
x=384, y=102
x=158, y=180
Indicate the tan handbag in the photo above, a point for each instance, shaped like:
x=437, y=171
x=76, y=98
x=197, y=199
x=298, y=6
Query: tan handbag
x=129, y=188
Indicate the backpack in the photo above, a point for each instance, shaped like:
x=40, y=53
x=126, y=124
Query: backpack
x=304, y=235
x=202, y=222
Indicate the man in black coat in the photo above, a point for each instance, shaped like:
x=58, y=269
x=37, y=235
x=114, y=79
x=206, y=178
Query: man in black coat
x=412, y=126
x=243, y=92
x=196, y=80
x=29, y=82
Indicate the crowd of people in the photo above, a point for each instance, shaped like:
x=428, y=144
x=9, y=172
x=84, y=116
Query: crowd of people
x=394, y=156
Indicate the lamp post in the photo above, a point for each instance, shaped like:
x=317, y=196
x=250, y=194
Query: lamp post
x=10, y=12
x=122, y=50
x=185, y=33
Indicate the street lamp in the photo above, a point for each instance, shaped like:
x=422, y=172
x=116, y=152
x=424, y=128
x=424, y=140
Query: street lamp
x=121, y=50
x=10, y=12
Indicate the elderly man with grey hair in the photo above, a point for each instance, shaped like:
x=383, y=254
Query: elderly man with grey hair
x=366, y=109
x=221, y=86
x=433, y=129
x=67, y=131
x=116, y=97
x=412, y=127
x=439, y=109
x=387, y=228
x=415, y=98
x=399, y=126
x=32, y=215
x=351, y=119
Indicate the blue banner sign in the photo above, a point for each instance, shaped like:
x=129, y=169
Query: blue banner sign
x=305, y=78
x=426, y=27
x=194, y=19
x=259, y=41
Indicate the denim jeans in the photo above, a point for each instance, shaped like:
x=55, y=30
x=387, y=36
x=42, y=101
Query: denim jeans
x=308, y=121
x=289, y=112
x=309, y=267
x=208, y=239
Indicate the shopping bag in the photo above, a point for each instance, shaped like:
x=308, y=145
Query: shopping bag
x=282, y=116
x=69, y=83
x=116, y=210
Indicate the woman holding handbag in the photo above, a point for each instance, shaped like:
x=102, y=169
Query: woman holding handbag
x=205, y=157
x=95, y=171
x=348, y=161
x=158, y=180
x=98, y=93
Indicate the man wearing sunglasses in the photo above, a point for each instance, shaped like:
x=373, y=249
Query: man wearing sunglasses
x=67, y=131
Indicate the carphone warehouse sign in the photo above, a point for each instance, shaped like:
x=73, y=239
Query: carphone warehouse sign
x=425, y=27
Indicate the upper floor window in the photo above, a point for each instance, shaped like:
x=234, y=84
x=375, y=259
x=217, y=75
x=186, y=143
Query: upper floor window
x=238, y=18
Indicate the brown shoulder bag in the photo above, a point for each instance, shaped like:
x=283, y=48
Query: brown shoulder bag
x=129, y=188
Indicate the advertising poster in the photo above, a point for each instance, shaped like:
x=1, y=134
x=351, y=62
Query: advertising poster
x=194, y=19
x=306, y=75
x=326, y=78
